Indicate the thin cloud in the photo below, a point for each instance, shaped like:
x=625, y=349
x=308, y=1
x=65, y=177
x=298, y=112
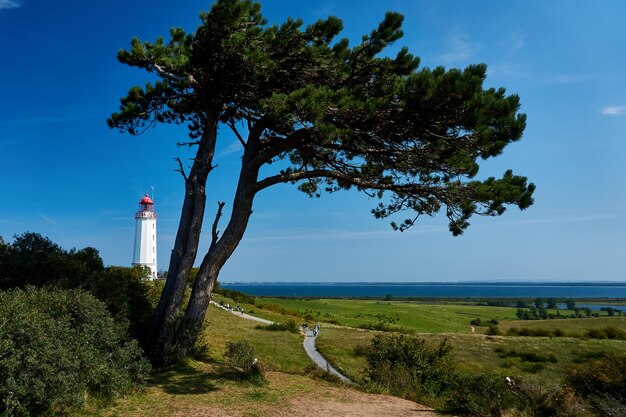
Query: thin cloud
x=9, y=4
x=567, y=79
x=49, y=219
x=234, y=147
x=461, y=49
x=614, y=110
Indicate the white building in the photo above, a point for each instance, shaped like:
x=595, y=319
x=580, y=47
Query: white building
x=145, y=236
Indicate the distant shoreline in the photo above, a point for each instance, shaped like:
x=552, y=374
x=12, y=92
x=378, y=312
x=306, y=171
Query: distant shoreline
x=433, y=283
x=432, y=290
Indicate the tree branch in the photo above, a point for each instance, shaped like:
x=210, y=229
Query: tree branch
x=236, y=132
x=180, y=168
x=165, y=74
x=348, y=178
x=214, y=232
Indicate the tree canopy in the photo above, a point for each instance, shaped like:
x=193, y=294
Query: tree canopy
x=338, y=116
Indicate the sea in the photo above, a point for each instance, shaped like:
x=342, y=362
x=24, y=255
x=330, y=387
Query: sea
x=434, y=290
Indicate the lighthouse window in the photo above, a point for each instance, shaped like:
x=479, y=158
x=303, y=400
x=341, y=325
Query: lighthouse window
x=153, y=260
x=153, y=225
x=152, y=237
x=153, y=249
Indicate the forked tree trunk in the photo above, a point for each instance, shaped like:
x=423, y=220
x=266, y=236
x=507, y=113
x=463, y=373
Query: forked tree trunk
x=184, y=253
x=220, y=251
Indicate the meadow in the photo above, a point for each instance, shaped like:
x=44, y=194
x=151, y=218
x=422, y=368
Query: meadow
x=195, y=386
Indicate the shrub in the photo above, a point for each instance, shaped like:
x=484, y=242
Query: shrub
x=409, y=367
x=240, y=356
x=525, y=356
x=481, y=395
x=129, y=298
x=608, y=332
x=604, y=376
x=58, y=345
x=289, y=326
x=493, y=331
x=535, y=400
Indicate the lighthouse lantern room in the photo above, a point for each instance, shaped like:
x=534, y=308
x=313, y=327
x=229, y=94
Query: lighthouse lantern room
x=145, y=237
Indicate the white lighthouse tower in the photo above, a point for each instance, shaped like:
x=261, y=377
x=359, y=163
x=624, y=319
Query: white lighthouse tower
x=145, y=236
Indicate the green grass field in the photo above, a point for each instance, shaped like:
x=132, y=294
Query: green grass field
x=477, y=352
x=416, y=316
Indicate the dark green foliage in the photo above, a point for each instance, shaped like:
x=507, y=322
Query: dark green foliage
x=538, y=332
x=484, y=395
x=240, y=357
x=343, y=116
x=128, y=296
x=493, y=331
x=551, y=303
x=525, y=356
x=35, y=260
x=610, y=311
x=606, y=375
x=288, y=326
x=481, y=395
x=538, y=302
x=336, y=117
x=58, y=345
x=571, y=304
x=410, y=367
x=608, y=332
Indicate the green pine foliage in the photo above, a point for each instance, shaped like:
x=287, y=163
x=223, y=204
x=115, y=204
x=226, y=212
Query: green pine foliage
x=344, y=116
x=56, y=347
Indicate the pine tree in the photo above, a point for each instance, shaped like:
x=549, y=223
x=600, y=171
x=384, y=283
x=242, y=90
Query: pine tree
x=343, y=117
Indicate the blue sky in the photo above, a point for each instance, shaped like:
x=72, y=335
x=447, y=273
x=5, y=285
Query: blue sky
x=64, y=174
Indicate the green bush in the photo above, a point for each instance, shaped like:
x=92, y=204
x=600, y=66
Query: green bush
x=605, y=376
x=56, y=346
x=289, y=326
x=410, y=367
x=35, y=260
x=129, y=298
x=608, y=332
x=240, y=357
x=481, y=395
x=493, y=330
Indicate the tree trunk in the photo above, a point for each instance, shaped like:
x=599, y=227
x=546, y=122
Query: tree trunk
x=219, y=252
x=185, y=251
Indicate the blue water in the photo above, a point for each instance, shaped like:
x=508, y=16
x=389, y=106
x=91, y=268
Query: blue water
x=431, y=290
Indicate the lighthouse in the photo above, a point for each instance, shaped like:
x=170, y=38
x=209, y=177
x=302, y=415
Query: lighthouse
x=145, y=236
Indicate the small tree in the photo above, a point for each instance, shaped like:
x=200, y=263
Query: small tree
x=339, y=117
x=551, y=303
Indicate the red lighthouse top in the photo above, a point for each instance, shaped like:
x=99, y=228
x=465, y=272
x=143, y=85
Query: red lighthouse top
x=146, y=209
x=146, y=200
